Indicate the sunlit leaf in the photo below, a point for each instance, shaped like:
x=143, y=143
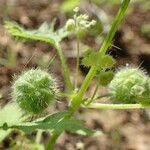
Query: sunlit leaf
x=98, y=60
x=10, y=114
x=44, y=33
x=76, y=126
x=58, y=121
x=46, y=123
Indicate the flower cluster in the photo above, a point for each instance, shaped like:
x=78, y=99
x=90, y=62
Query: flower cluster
x=80, y=23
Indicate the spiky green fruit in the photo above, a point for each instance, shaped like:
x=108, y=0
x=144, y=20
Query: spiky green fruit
x=34, y=90
x=130, y=85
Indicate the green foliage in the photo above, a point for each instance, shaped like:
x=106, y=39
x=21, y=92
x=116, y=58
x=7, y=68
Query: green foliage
x=58, y=121
x=7, y=117
x=105, y=77
x=34, y=90
x=44, y=33
x=49, y=122
x=10, y=114
x=98, y=60
x=130, y=85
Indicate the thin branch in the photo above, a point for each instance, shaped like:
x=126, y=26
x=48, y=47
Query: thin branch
x=116, y=106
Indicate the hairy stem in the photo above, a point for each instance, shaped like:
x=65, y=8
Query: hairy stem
x=77, y=62
x=65, y=69
x=78, y=99
x=115, y=106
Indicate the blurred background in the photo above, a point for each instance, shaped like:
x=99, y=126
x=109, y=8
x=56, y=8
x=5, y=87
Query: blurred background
x=123, y=129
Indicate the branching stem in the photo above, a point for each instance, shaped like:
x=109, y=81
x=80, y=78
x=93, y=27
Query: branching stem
x=78, y=99
x=115, y=106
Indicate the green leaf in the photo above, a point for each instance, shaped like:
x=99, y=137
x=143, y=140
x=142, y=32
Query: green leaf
x=98, y=60
x=47, y=123
x=44, y=33
x=76, y=126
x=104, y=78
x=10, y=114
x=107, y=61
x=58, y=121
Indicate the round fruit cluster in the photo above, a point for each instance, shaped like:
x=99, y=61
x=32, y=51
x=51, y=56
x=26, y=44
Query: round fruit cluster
x=34, y=90
x=130, y=85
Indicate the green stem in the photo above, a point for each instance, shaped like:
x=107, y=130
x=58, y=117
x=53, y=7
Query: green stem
x=95, y=98
x=115, y=24
x=65, y=69
x=78, y=99
x=38, y=136
x=115, y=106
x=94, y=93
x=102, y=96
x=77, y=62
x=52, y=141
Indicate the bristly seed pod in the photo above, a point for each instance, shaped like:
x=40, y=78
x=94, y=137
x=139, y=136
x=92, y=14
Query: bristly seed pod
x=34, y=90
x=130, y=85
